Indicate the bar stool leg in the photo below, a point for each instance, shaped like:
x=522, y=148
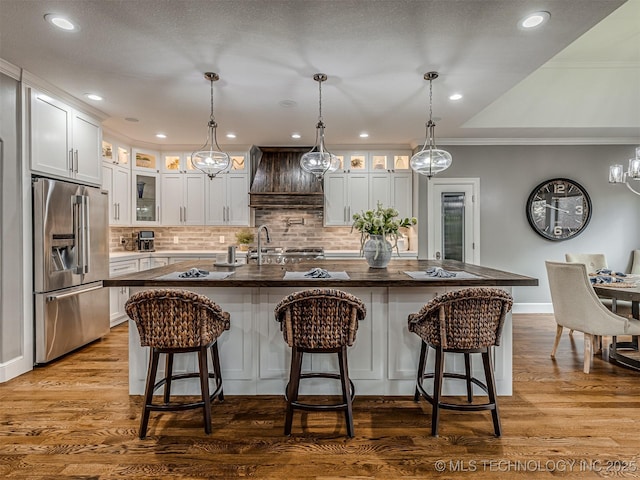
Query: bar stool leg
x=204, y=387
x=168, y=372
x=437, y=389
x=467, y=370
x=346, y=393
x=215, y=358
x=148, y=392
x=421, y=363
x=294, y=383
x=491, y=390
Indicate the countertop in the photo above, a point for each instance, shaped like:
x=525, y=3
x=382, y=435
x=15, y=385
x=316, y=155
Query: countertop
x=129, y=255
x=360, y=275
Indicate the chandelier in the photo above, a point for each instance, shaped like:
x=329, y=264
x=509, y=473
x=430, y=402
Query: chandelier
x=319, y=160
x=210, y=159
x=430, y=160
x=618, y=175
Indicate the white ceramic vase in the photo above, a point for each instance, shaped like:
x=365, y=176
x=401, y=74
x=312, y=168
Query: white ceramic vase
x=377, y=251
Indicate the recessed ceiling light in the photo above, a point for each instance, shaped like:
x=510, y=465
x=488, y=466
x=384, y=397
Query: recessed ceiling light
x=296, y=135
x=132, y=120
x=161, y=135
x=364, y=135
x=534, y=19
x=455, y=96
x=231, y=135
x=93, y=96
x=61, y=22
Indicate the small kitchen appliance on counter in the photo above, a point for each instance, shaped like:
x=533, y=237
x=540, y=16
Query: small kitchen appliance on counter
x=146, y=241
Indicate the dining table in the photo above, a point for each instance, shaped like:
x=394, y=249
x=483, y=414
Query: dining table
x=626, y=291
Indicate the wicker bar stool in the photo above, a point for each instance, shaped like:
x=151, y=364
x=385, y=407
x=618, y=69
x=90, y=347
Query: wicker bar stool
x=319, y=321
x=178, y=321
x=465, y=321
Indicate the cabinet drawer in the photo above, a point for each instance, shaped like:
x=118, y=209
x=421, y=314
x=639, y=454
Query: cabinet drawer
x=123, y=267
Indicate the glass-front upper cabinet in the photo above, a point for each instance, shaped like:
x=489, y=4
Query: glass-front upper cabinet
x=391, y=162
x=107, y=152
x=237, y=163
x=177, y=163
x=352, y=162
x=114, y=153
x=123, y=155
x=146, y=160
x=146, y=197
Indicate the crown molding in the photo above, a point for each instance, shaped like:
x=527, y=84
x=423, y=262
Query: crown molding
x=541, y=141
x=10, y=69
x=31, y=80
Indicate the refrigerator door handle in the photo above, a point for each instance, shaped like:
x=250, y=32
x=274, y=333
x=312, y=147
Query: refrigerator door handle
x=53, y=298
x=81, y=231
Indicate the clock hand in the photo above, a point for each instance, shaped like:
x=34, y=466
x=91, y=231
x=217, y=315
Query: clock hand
x=556, y=208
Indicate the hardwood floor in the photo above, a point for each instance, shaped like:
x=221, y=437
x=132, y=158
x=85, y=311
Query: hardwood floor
x=75, y=419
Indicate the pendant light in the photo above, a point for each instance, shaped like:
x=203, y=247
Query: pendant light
x=210, y=159
x=319, y=160
x=430, y=160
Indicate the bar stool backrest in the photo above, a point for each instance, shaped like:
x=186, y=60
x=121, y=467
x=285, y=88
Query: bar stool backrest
x=168, y=318
x=320, y=318
x=465, y=319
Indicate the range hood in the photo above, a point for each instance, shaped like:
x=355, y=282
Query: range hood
x=279, y=181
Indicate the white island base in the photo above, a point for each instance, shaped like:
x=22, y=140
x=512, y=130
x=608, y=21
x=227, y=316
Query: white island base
x=383, y=361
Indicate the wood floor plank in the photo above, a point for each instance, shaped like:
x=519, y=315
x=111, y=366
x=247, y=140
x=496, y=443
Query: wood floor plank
x=75, y=419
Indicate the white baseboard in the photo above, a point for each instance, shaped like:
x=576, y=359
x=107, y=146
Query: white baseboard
x=532, y=308
x=15, y=367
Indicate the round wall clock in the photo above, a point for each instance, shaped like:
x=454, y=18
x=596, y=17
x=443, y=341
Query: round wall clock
x=558, y=209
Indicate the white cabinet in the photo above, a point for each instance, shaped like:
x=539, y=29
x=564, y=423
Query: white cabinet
x=227, y=199
x=118, y=296
x=116, y=180
x=344, y=195
x=146, y=194
x=153, y=262
x=183, y=199
x=364, y=180
x=64, y=142
x=176, y=162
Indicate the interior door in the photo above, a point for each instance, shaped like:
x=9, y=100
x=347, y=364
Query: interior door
x=454, y=219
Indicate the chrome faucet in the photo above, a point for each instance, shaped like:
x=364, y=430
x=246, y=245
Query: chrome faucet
x=266, y=231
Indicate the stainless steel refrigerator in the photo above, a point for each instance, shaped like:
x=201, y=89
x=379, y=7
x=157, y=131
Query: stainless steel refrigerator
x=70, y=260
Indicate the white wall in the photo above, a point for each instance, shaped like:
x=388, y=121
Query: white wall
x=507, y=176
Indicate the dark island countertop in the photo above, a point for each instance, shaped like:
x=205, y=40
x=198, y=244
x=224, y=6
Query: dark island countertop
x=360, y=275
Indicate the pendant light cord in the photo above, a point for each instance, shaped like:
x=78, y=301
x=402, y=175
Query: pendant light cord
x=320, y=102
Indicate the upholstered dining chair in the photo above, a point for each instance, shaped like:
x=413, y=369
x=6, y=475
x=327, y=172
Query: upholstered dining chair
x=576, y=306
x=592, y=261
x=321, y=320
x=464, y=321
x=635, y=266
x=172, y=322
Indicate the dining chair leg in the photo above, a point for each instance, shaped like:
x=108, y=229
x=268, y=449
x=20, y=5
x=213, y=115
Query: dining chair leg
x=148, y=392
x=168, y=372
x=346, y=393
x=421, y=363
x=204, y=387
x=557, y=340
x=467, y=370
x=437, y=389
x=588, y=352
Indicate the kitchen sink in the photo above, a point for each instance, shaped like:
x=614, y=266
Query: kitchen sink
x=281, y=255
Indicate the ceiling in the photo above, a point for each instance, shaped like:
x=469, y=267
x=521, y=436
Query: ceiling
x=576, y=79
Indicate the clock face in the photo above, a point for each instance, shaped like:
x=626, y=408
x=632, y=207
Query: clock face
x=558, y=209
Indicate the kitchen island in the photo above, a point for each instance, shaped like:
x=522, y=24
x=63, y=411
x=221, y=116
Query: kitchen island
x=254, y=356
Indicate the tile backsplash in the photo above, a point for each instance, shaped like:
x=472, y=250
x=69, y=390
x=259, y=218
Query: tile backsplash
x=285, y=228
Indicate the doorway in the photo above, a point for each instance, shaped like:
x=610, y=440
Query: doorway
x=453, y=217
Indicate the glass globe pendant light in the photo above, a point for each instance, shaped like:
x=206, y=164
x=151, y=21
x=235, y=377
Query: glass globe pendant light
x=319, y=160
x=430, y=160
x=210, y=159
